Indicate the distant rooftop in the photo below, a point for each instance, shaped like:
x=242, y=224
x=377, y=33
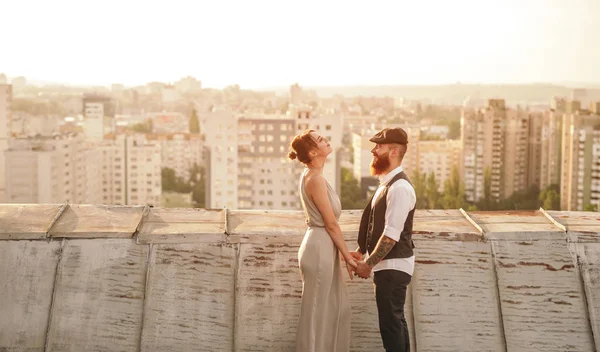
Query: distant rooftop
x=90, y=277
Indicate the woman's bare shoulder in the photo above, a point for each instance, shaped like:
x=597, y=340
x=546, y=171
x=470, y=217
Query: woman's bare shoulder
x=313, y=181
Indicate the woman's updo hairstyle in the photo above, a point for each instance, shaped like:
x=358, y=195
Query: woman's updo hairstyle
x=301, y=145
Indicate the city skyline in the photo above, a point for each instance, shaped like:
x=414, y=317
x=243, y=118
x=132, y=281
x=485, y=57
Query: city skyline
x=271, y=44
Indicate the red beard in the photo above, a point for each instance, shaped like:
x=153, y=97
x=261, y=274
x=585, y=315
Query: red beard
x=380, y=164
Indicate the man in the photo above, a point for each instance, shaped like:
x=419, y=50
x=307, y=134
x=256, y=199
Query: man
x=385, y=233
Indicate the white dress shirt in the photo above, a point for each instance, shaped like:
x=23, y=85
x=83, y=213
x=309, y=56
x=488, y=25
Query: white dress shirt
x=401, y=199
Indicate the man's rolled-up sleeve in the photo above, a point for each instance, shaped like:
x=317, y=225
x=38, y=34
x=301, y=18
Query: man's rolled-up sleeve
x=401, y=199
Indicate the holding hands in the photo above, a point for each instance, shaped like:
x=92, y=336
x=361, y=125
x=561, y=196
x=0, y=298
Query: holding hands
x=356, y=265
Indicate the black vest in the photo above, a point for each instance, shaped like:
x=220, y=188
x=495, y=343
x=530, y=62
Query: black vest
x=372, y=224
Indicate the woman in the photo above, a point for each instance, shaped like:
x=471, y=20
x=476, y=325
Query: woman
x=324, y=324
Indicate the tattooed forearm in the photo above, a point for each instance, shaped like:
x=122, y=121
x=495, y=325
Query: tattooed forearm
x=384, y=246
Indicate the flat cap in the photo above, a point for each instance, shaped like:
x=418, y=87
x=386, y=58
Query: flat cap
x=390, y=135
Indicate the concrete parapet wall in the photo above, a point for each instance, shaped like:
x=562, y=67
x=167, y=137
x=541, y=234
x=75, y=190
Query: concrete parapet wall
x=99, y=278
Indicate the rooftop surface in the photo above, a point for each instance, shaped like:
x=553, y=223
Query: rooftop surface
x=89, y=277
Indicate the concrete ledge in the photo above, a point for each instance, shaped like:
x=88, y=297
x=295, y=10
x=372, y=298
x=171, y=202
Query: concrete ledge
x=98, y=296
x=89, y=221
x=529, y=225
x=242, y=225
x=27, y=270
x=228, y=280
x=588, y=258
x=581, y=226
x=456, y=303
x=445, y=225
x=26, y=221
x=189, y=297
x=161, y=225
x=541, y=297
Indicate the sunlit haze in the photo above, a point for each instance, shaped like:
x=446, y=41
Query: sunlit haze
x=259, y=44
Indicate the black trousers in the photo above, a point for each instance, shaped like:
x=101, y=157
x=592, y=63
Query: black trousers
x=390, y=293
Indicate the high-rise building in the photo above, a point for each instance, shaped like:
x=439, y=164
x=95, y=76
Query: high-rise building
x=95, y=109
x=328, y=126
x=53, y=170
x=534, y=158
x=179, y=151
x=516, y=152
x=580, y=181
x=497, y=139
x=551, y=146
x=131, y=170
x=267, y=178
x=246, y=157
x=220, y=130
x=439, y=157
x=362, y=156
x=552, y=137
x=5, y=133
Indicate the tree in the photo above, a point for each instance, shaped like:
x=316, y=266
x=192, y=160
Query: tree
x=486, y=203
x=196, y=173
x=172, y=182
x=433, y=195
x=143, y=127
x=522, y=200
x=168, y=179
x=454, y=191
x=194, y=122
x=197, y=182
x=454, y=129
x=181, y=186
x=550, y=197
x=419, y=182
x=351, y=194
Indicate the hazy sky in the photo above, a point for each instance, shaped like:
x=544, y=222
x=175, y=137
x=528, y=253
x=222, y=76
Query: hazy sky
x=258, y=43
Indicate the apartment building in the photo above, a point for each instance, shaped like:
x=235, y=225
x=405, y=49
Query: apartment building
x=179, y=151
x=580, y=161
x=361, y=148
x=220, y=131
x=516, y=152
x=329, y=126
x=551, y=148
x=552, y=137
x=53, y=170
x=535, y=142
x=131, y=170
x=5, y=133
x=267, y=178
x=95, y=109
x=439, y=157
x=493, y=138
x=246, y=157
